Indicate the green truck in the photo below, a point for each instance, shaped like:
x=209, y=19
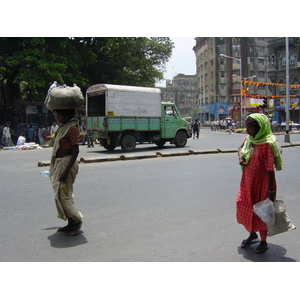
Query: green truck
x=120, y=115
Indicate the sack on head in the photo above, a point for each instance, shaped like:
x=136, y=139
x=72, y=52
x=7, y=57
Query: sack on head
x=64, y=97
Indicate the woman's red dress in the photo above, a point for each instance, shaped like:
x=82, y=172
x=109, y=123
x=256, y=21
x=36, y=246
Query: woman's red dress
x=254, y=187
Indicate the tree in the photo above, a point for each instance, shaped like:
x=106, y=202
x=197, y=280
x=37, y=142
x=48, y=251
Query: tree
x=128, y=60
x=28, y=66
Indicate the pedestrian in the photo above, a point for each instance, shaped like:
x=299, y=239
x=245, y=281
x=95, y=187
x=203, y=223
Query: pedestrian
x=64, y=168
x=195, y=128
x=53, y=128
x=21, y=139
x=30, y=133
x=41, y=135
x=258, y=154
x=86, y=138
x=1, y=135
x=230, y=126
x=7, y=136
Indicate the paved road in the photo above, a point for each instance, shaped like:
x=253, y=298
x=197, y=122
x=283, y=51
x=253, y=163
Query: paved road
x=164, y=209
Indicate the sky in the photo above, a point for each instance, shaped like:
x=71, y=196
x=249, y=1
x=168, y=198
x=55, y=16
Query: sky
x=183, y=58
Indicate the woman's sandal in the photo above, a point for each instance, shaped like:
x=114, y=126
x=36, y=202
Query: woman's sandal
x=252, y=239
x=262, y=248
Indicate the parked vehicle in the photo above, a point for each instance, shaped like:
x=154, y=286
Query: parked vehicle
x=121, y=115
x=291, y=124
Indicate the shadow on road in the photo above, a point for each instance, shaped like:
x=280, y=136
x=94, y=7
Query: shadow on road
x=65, y=240
x=275, y=253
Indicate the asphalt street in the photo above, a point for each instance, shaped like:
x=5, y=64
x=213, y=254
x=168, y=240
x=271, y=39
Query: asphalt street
x=165, y=209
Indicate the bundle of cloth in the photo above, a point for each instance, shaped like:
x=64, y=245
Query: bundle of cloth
x=63, y=97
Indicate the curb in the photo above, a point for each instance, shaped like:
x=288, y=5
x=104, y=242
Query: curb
x=130, y=156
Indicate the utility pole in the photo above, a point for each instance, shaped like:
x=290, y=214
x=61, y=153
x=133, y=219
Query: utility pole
x=287, y=93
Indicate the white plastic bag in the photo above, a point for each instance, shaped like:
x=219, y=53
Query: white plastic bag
x=265, y=210
x=64, y=97
x=282, y=220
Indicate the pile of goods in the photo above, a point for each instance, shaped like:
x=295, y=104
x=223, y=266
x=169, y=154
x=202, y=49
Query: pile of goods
x=63, y=97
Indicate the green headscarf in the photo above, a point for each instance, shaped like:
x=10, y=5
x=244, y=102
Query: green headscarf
x=264, y=136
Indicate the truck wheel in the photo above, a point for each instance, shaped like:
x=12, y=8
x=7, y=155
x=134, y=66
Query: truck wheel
x=160, y=144
x=109, y=147
x=128, y=143
x=180, y=139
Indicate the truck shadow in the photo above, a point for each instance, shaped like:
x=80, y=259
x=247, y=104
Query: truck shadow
x=149, y=148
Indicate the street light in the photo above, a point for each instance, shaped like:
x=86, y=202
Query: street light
x=240, y=62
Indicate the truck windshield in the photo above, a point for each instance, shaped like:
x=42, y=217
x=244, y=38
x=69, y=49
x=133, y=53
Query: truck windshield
x=170, y=110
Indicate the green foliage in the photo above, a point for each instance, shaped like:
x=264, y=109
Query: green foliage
x=28, y=66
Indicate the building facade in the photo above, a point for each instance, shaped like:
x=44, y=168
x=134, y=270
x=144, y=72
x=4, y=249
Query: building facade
x=277, y=73
x=219, y=77
x=182, y=91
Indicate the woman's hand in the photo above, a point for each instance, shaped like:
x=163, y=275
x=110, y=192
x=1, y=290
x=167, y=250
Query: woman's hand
x=64, y=175
x=271, y=195
x=242, y=161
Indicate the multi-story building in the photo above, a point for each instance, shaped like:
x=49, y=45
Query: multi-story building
x=219, y=77
x=277, y=73
x=182, y=91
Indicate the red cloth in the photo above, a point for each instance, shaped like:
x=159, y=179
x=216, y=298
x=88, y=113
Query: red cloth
x=70, y=139
x=254, y=187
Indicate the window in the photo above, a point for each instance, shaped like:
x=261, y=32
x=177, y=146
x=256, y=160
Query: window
x=236, y=86
x=222, y=87
x=260, y=49
x=292, y=59
x=96, y=105
x=235, y=48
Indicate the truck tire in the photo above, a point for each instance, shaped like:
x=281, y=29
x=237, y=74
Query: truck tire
x=161, y=143
x=180, y=139
x=128, y=143
x=109, y=147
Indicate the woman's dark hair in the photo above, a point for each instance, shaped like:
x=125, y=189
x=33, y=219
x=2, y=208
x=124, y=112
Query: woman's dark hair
x=69, y=113
x=253, y=123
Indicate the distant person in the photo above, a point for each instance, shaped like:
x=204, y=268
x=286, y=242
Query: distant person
x=53, y=128
x=6, y=135
x=257, y=157
x=30, y=134
x=21, y=140
x=41, y=135
x=1, y=135
x=195, y=129
x=230, y=126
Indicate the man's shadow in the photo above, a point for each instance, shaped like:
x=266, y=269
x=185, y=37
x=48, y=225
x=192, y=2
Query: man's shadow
x=275, y=253
x=65, y=239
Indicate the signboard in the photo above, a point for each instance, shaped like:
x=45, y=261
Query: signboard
x=31, y=109
x=256, y=102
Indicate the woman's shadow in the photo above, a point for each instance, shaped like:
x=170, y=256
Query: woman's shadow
x=275, y=253
x=65, y=239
